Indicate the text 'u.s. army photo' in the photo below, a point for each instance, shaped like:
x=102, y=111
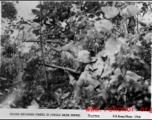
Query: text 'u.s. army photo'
x=75, y=59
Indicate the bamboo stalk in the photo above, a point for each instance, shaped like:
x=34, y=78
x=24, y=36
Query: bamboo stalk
x=41, y=41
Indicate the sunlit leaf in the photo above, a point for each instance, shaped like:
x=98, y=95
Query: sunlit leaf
x=34, y=105
x=103, y=25
x=1, y=78
x=132, y=76
x=148, y=36
x=110, y=12
x=1, y=93
x=7, y=90
x=130, y=11
x=65, y=95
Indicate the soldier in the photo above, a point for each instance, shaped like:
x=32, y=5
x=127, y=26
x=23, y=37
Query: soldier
x=94, y=68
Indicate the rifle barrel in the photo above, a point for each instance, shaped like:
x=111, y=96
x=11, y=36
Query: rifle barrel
x=63, y=68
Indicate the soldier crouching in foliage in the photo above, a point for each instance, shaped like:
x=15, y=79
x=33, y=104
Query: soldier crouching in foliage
x=89, y=77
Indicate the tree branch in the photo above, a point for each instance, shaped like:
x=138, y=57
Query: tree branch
x=49, y=41
x=55, y=41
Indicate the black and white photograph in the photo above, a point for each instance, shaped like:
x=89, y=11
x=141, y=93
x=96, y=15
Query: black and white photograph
x=76, y=55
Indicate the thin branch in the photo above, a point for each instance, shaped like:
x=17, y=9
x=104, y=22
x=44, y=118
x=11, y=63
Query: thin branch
x=48, y=41
x=43, y=56
x=55, y=41
x=137, y=24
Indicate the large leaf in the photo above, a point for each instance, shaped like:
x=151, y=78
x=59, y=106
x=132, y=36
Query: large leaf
x=130, y=11
x=103, y=25
x=132, y=76
x=148, y=36
x=36, y=12
x=110, y=12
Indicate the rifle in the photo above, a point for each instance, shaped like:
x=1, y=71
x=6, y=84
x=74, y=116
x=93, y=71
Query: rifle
x=63, y=68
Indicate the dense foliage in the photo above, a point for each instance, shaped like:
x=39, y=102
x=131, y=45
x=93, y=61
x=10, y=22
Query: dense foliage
x=59, y=31
x=8, y=10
